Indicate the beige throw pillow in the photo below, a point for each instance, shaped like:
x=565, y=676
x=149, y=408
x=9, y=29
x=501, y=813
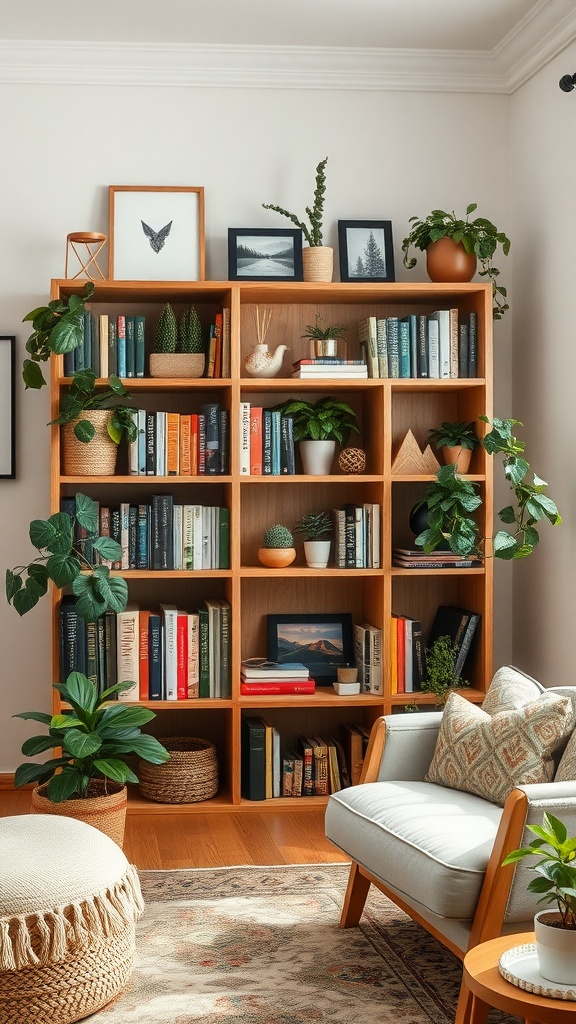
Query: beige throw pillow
x=510, y=688
x=489, y=755
x=566, y=771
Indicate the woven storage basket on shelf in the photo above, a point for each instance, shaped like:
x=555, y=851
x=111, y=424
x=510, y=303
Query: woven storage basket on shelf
x=98, y=456
x=190, y=775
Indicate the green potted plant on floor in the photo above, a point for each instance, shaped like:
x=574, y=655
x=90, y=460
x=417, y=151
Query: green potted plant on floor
x=58, y=329
x=277, y=548
x=453, y=245
x=457, y=441
x=318, y=258
x=316, y=528
x=95, y=737
x=317, y=426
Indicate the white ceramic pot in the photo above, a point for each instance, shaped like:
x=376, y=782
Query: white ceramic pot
x=317, y=553
x=317, y=457
x=556, y=949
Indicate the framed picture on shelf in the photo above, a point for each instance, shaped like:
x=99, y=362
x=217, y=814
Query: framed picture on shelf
x=322, y=642
x=264, y=254
x=7, y=416
x=156, y=233
x=366, y=252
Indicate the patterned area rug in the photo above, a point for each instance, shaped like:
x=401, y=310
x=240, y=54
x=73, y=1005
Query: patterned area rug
x=256, y=945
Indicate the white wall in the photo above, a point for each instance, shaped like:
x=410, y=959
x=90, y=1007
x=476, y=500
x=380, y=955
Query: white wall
x=543, y=172
x=391, y=155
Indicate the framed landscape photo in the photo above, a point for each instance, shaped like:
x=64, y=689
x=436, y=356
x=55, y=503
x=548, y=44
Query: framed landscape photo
x=264, y=254
x=156, y=233
x=322, y=642
x=366, y=252
x=7, y=417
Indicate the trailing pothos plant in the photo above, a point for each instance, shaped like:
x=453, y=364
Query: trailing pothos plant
x=451, y=501
x=62, y=559
x=58, y=329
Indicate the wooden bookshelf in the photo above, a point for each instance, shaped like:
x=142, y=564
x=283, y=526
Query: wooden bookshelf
x=387, y=409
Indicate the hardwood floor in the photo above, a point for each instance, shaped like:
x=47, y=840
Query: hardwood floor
x=162, y=841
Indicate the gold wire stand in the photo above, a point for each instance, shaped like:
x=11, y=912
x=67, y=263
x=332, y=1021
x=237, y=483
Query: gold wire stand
x=93, y=243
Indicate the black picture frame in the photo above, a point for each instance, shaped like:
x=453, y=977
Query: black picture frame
x=353, y=240
x=284, y=644
x=265, y=254
x=7, y=407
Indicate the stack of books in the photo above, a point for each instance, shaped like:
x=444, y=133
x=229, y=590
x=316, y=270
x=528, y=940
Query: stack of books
x=329, y=367
x=416, y=558
x=259, y=676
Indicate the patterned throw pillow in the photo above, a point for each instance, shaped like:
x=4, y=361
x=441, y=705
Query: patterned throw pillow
x=489, y=755
x=510, y=688
x=566, y=771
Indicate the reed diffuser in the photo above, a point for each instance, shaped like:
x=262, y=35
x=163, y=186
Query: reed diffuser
x=260, y=362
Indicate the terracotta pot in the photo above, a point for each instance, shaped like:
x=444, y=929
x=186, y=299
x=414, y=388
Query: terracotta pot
x=276, y=558
x=106, y=812
x=95, y=458
x=318, y=263
x=447, y=260
x=176, y=364
x=458, y=456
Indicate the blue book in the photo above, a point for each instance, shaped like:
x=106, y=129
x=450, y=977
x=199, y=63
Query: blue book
x=276, y=440
x=393, y=336
x=130, y=348
x=404, y=347
x=142, y=537
x=121, y=346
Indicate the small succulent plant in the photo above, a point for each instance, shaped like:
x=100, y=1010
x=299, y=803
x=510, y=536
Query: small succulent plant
x=166, y=333
x=314, y=525
x=277, y=536
x=190, y=332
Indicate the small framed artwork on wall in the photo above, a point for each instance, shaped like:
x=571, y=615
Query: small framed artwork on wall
x=7, y=409
x=156, y=233
x=366, y=252
x=264, y=254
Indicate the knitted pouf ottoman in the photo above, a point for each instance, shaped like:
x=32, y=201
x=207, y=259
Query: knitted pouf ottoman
x=69, y=901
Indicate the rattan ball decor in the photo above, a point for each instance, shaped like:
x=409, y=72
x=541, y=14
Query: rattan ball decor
x=352, y=460
x=191, y=774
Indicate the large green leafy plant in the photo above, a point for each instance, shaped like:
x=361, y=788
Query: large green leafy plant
x=58, y=328
x=95, y=737
x=556, y=866
x=325, y=420
x=313, y=231
x=61, y=558
x=451, y=500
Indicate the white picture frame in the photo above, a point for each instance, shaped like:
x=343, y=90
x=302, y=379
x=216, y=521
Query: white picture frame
x=156, y=233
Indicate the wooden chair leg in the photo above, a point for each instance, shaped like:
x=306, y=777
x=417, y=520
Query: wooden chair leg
x=355, y=898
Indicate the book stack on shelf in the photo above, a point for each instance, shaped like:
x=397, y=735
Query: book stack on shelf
x=407, y=654
x=259, y=676
x=181, y=444
x=439, y=345
x=317, y=767
x=368, y=654
x=329, y=367
x=266, y=442
x=357, y=536
x=416, y=558
x=167, y=654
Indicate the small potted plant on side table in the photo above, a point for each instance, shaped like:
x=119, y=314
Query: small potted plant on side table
x=316, y=528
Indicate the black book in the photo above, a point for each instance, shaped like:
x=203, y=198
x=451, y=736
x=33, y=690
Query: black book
x=211, y=413
x=92, y=653
x=350, y=536
x=253, y=758
x=418, y=656
x=101, y=652
x=224, y=427
x=458, y=624
x=467, y=639
x=95, y=343
x=155, y=656
x=287, y=460
x=111, y=677
x=473, y=344
x=463, y=350
x=112, y=347
x=422, y=362
x=162, y=523
x=150, y=443
x=69, y=626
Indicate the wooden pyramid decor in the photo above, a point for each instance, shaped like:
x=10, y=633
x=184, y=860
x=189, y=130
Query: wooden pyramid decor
x=410, y=460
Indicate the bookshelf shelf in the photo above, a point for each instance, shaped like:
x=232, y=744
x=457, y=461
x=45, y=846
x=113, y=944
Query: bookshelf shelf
x=387, y=409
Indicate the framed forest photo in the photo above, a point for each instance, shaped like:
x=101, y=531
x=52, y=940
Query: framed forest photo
x=7, y=415
x=264, y=254
x=366, y=252
x=322, y=642
x=156, y=233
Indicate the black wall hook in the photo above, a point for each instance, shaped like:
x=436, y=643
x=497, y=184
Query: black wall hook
x=567, y=83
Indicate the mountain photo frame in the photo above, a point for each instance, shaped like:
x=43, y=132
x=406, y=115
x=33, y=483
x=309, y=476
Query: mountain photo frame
x=366, y=251
x=156, y=233
x=322, y=642
x=265, y=254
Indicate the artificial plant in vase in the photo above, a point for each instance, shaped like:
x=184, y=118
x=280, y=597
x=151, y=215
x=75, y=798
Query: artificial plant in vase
x=318, y=259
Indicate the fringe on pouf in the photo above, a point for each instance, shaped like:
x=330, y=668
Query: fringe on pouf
x=38, y=939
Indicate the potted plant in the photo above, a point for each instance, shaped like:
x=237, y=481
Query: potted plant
x=95, y=737
x=62, y=559
x=317, y=426
x=323, y=340
x=556, y=884
x=441, y=675
x=453, y=245
x=449, y=501
x=58, y=329
x=96, y=417
x=318, y=259
x=457, y=440
x=316, y=528
x=178, y=346
x=277, y=548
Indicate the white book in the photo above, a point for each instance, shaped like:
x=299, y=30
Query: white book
x=193, y=654
x=161, y=418
x=169, y=630
x=359, y=535
x=206, y=564
x=375, y=536
x=141, y=426
x=367, y=509
x=454, y=338
x=244, y=438
x=433, y=352
x=374, y=647
x=103, y=324
x=197, y=537
x=188, y=537
x=367, y=334
x=408, y=656
x=177, y=548
x=443, y=318
x=128, y=652
x=331, y=372
x=133, y=446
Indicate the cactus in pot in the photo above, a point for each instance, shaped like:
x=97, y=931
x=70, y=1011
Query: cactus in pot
x=277, y=548
x=178, y=350
x=190, y=332
x=166, y=333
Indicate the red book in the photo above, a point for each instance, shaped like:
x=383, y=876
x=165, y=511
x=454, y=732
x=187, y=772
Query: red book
x=255, y=440
x=194, y=444
x=401, y=654
x=143, y=657
x=182, y=656
x=297, y=686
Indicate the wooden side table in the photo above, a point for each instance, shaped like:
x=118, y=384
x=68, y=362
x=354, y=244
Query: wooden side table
x=483, y=986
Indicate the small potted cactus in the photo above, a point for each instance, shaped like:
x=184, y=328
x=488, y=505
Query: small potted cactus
x=178, y=346
x=277, y=548
x=316, y=528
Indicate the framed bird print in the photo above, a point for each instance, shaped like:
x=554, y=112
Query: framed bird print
x=156, y=233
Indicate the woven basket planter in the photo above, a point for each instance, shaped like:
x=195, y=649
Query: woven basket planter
x=318, y=261
x=98, y=457
x=106, y=813
x=189, y=776
x=176, y=364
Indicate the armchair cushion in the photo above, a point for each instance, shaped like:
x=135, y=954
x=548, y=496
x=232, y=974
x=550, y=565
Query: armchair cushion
x=490, y=755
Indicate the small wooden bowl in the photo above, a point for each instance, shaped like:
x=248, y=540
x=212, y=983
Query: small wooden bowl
x=276, y=558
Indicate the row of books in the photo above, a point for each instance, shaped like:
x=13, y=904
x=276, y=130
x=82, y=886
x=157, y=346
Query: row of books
x=180, y=444
x=442, y=344
x=117, y=344
x=408, y=646
x=166, y=655
x=316, y=766
x=368, y=655
x=416, y=558
x=329, y=367
x=259, y=676
x=160, y=534
x=357, y=536
x=266, y=441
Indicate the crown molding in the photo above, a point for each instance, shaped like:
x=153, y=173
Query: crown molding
x=542, y=34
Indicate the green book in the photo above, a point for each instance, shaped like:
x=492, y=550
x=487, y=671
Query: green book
x=204, y=681
x=224, y=538
x=112, y=348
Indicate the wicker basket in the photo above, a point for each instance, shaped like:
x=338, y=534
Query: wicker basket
x=189, y=776
x=106, y=813
x=98, y=457
x=318, y=261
